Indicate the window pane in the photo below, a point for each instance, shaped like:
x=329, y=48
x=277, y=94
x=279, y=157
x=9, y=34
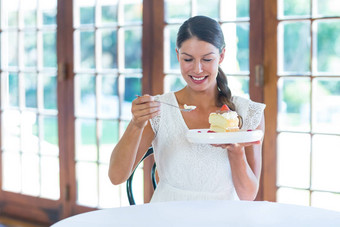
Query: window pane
x=294, y=8
x=85, y=95
x=328, y=43
x=49, y=12
x=234, y=9
x=325, y=163
x=30, y=174
x=87, y=189
x=293, y=196
x=177, y=10
x=86, y=140
x=293, y=165
x=29, y=12
x=10, y=130
x=109, y=100
x=13, y=89
x=11, y=168
x=239, y=85
x=170, y=56
x=30, y=90
x=326, y=109
x=236, y=57
x=294, y=47
x=132, y=11
x=133, y=48
x=109, y=12
x=173, y=83
x=326, y=200
x=50, y=175
x=133, y=87
x=108, y=138
x=30, y=49
x=86, y=11
x=86, y=50
x=109, y=49
x=208, y=8
x=12, y=48
x=49, y=47
x=49, y=133
x=106, y=189
x=30, y=137
x=10, y=10
x=50, y=91
x=294, y=110
x=327, y=8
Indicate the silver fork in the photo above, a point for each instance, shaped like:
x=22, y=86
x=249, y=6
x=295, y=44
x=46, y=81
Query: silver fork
x=183, y=110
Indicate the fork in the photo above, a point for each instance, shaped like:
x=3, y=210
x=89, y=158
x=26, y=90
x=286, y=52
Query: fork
x=181, y=109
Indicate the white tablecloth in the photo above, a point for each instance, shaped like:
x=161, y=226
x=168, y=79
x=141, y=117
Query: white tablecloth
x=207, y=214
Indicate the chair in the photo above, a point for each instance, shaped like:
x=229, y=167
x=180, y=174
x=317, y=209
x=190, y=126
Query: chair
x=129, y=180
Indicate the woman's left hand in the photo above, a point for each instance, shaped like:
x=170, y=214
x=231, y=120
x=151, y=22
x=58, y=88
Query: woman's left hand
x=236, y=147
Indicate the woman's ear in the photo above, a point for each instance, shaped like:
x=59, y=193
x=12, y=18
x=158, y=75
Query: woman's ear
x=177, y=54
x=221, y=56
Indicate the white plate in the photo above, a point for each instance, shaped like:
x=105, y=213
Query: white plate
x=203, y=136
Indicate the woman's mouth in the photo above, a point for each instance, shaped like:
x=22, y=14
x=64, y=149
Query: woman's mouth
x=198, y=79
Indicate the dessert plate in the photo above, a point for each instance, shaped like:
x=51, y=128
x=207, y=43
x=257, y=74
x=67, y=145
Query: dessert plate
x=242, y=136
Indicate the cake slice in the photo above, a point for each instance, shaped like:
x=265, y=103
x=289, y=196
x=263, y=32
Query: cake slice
x=224, y=121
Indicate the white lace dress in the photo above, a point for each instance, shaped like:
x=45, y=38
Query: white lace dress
x=190, y=171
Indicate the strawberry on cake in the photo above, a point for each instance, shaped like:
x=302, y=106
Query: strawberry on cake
x=224, y=120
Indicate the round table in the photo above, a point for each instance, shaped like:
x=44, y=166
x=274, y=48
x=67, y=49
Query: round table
x=206, y=213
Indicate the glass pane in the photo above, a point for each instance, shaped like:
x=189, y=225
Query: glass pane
x=10, y=130
x=30, y=90
x=86, y=50
x=328, y=42
x=29, y=12
x=170, y=56
x=132, y=11
x=138, y=186
x=133, y=48
x=108, y=138
x=294, y=8
x=49, y=49
x=236, y=57
x=85, y=94
x=239, y=85
x=133, y=87
x=13, y=89
x=86, y=140
x=30, y=174
x=173, y=83
x=177, y=10
x=30, y=138
x=234, y=9
x=50, y=91
x=49, y=12
x=12, y=48
x=326, y=200
x=109, y=100
x=49, y=142
x=293, y=196
x=293, y=165
x=327, y=8
x=86, y=11
x=109, y=11
x=294, y=44
x=109, y=49
x=326, y=108
x=11, y=12
x=50, y=178
x=11, y=171
x=30, y=49
x=294, y=110
x=106, y=189
x=325, y=165
x=208, y=8
x=87, y=188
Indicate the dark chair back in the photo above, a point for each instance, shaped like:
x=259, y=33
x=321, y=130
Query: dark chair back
x=129, y=181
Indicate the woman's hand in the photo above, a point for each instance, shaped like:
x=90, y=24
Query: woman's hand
x=143, y=109
x=236, y=148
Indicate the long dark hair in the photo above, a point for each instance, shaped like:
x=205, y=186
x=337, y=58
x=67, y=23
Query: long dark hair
x=208, y=30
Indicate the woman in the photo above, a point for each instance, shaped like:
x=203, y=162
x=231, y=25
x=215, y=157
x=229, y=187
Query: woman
x=190, y=171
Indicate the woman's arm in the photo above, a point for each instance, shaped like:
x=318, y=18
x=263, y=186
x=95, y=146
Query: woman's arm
x=135, y=141
x=245, y=162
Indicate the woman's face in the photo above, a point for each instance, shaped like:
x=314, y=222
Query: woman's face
x=199, y=61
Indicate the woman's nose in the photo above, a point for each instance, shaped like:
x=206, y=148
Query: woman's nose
x=198, y=67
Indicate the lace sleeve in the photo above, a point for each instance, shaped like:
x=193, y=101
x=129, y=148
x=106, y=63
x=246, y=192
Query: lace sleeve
x=155, y=121
x=250, y=111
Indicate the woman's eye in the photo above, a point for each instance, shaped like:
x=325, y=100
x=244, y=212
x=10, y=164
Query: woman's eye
x=187, y=60
x=207, y=60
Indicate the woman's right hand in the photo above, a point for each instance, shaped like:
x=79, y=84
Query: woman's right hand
x=143, y=109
